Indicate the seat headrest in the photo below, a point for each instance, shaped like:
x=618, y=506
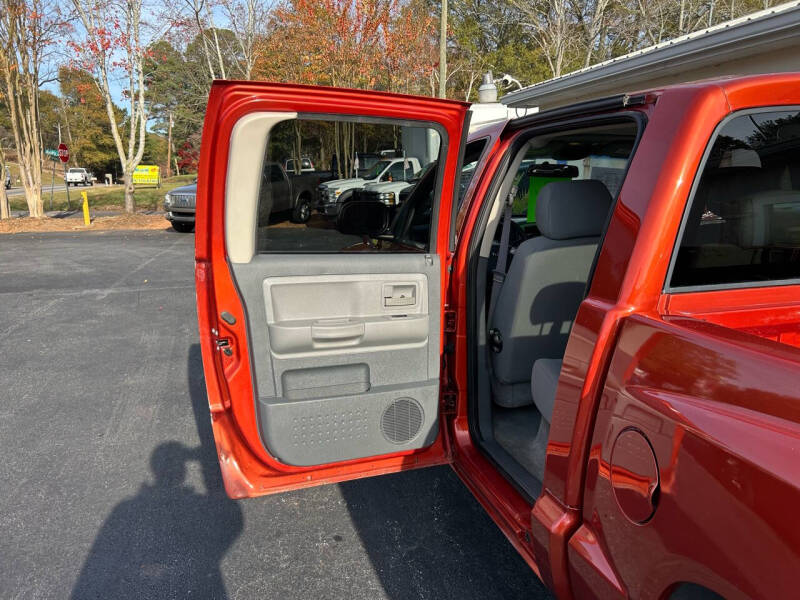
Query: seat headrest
x=572, y=209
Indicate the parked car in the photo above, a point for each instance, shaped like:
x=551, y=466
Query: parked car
x=78, y=176
x=387, y=192
x=282, y=192
x=305, y=165
x=179, y=204
x=620, y=392
x=333, y=193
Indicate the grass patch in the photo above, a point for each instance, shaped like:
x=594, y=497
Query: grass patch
x=147, y=198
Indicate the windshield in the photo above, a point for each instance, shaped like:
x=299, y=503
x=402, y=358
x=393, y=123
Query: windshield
x=76, y=170
x=376, y=169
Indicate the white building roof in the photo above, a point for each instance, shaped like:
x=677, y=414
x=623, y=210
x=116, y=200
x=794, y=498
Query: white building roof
x=763, y=42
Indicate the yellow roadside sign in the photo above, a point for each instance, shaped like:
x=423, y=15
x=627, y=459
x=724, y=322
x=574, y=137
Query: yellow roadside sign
x=147, y=175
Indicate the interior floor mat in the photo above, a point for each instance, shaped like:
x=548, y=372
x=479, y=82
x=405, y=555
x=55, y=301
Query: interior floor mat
x=523, y=434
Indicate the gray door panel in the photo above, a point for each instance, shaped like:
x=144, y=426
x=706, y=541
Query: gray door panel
x=345, y=352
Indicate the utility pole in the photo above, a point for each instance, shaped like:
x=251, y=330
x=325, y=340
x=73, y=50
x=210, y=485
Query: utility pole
x=443, y=51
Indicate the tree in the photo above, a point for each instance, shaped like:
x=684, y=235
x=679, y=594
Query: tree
x=110, y=43
x=550, y=24
x=369, y=44
x=166, y=87
x=27, y=28
x=486, y=35
x=84, y=119
x=5, y=211
x=249, y=22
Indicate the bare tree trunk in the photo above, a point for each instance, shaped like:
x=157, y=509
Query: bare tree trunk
x=443, y=51
x=336, y=152
x=130, y=189
x=24, y=33
x=298, y=147
x=5, y=211
x=169, y=144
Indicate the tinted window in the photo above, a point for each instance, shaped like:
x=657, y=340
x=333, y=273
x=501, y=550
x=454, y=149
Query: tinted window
x=275, y=174
x=398, y=173
x=301, y=214
x=743, y=225
x=601, y=153
x=472, y=155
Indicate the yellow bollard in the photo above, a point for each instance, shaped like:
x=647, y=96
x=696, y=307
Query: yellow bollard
x=86, y=220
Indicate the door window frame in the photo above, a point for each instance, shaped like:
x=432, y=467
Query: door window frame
x=522, y=136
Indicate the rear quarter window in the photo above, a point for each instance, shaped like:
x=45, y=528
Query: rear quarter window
x=742, y=227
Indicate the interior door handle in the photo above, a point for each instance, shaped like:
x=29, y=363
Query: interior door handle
x=399, y=294
x=336, y=329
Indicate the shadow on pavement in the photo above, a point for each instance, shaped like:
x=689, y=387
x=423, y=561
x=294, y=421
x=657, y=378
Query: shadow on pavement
x=168, y=540
x=427, y=537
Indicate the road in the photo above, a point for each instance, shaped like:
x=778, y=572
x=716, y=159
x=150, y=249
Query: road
x=109, y=483
x=47, y=187
x=57, y=187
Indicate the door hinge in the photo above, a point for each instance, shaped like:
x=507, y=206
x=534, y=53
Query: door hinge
x=450, y=320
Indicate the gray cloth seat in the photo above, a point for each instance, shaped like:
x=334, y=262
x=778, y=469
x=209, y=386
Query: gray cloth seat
x=545, y=285
x=544, y=381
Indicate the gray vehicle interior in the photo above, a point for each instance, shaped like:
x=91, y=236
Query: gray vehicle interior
x=346, y=355
x=555, y=232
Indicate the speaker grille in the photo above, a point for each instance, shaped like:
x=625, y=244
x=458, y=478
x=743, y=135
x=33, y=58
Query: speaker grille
x=402, y=420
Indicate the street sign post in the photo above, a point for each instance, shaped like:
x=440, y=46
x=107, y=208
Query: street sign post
x=53, y=156
x=63, y=155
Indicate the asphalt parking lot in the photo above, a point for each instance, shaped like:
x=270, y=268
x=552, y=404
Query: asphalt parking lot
x=109, y=484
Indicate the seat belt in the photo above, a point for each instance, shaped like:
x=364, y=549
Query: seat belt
x=499, y=273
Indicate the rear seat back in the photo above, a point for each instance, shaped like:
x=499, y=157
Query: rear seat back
x=545, y=284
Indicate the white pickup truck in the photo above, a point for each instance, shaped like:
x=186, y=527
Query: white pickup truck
x=387, y=192
x=333, y=193
x=78, y=176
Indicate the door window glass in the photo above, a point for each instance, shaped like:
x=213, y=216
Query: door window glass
x=743, y=224
x=301, y=212
x=275, y=175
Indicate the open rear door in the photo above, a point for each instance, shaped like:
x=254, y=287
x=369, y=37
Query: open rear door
x=322, y=349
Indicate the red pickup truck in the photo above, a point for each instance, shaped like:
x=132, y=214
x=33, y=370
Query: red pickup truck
x=608, y=355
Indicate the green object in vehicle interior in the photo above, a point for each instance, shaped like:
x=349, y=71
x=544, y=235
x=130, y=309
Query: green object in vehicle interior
x=540, y=176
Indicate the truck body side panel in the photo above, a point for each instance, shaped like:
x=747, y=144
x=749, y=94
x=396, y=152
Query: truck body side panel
x=721, y=412
x=628, y=276
x=629, y=280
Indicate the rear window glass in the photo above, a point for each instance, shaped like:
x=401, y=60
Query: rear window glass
x=601, y=153
x=743, y=225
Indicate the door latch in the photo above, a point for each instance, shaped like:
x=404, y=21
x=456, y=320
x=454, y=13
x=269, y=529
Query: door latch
x=224, y=344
